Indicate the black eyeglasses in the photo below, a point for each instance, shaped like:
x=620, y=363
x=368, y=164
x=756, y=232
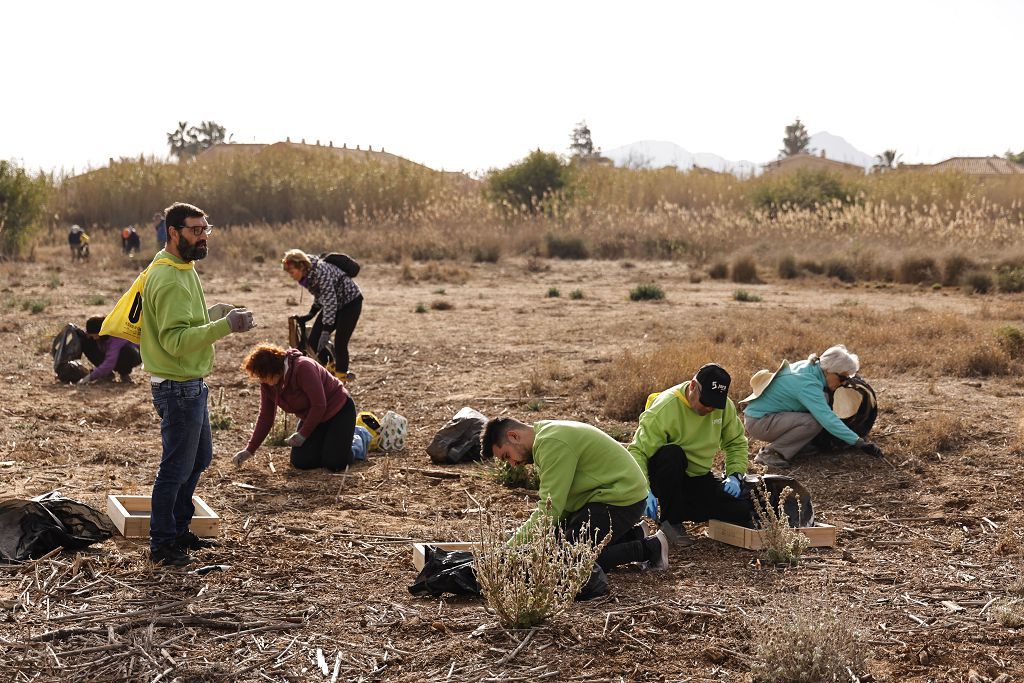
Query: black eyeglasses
x=197, y=230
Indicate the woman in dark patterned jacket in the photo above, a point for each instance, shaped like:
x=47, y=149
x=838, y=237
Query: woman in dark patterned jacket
x=337, y=299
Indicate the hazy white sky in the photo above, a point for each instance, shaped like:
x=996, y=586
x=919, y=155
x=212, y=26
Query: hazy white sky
x=472, y=85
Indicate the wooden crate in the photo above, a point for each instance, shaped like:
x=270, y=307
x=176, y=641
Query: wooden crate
x=820, y=535
x=130, y=514
x=419, y=550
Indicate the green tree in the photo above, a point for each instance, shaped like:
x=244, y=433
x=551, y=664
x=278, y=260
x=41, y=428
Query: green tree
x=534, y=184
x=887, y=160
x=186, y=142
x=796, y=140
x=1016, y=158
x=21, y=205
x=581, y=144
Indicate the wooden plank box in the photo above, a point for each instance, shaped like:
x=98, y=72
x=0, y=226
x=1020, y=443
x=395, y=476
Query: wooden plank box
x=820, y=535
x=419, y=550
x=130, y=514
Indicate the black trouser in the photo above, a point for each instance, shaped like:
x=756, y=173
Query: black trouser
x=344, y=324
x=330, y=444
x=692, y=499
x=627, y=544
x=128, y=359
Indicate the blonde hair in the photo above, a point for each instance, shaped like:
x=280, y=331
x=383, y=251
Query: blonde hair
x=296, y=258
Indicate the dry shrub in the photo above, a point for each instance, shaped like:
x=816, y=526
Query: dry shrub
x=780, y=543
x=954, y=267
x=535, y=264
x=516, y=476
x=812, y=266
x=1008, y=612
x=918, y=270
x=942, y=433
x=566, y=247
x=527, y=582
x=441, y=305
x=787, y=267
x=1007, y=543
x=1011, y=340
x=718, y=270
x=435, y=271
x=744, y=270
x=978, y=282
x=804, y=640
x=840, y=269
x=982, y=359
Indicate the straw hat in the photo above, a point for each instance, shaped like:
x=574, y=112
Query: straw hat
x=760, y=381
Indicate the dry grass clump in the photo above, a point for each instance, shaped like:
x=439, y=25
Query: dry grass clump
x=915, y=269
x=954, y=268
x=934, y=433
x=718, y=270
x=441, y=305
x=744, y=270
x=805, y=640
x=1011, y=339
x=515, y=476
x=1008, y=612
x=529, y=581
x=978, y=282
x=780, y=543
x=787, y=268
x=982, y=359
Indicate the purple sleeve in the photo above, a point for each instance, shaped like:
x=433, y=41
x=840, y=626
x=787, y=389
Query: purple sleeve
x=268, y=410
x=114, y=346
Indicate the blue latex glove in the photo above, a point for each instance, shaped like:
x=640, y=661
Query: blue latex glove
x=652, y=507
x=731, y=485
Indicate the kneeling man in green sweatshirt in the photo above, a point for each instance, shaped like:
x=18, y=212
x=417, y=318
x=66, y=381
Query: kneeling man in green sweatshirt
x=589, y=477
x=675, y=445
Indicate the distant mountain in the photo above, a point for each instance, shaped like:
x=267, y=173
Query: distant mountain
x=658, y=154
x=839, y=149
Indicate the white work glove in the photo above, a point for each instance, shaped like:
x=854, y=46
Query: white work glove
x=241, y=456
x=239, y=319
x=295, y=440
x=84, y=381
x=218, y=311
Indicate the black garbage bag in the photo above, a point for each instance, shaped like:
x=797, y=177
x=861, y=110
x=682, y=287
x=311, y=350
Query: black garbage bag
x=66, y=346
x=451, y=571
x=32, y=528
x=459, y=439
x=446, y=571
x=71, y=372
x=799, y=515
x=860, y=422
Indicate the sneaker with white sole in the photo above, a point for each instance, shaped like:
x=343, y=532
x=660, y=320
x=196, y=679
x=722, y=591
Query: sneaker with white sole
x=676, y=535
x=660, y=562
x=770, y=458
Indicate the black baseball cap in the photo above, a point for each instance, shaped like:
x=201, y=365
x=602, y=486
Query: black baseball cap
x=714, y=385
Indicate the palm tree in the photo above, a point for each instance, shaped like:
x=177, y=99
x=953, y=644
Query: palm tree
x=176, y=140
x=887, y=161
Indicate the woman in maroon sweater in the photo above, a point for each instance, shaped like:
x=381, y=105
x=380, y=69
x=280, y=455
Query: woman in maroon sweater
x=301, y=386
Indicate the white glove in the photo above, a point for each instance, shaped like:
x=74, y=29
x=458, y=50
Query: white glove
x=295, y=440
x=218, y=311
x=239, y=319
x=84, y=381
x=240, y=457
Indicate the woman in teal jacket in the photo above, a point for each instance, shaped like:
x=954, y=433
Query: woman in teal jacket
x=790, y=407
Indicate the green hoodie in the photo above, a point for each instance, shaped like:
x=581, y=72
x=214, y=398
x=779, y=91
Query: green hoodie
x=177, y=335
x=579, y=464
x=671, y=420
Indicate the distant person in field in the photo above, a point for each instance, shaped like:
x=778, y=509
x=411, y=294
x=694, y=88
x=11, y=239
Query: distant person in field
x=108, y=354
x=326, y=435
x=588, y=477
x=336, y=298
x=789, y=407
x=160, y=226
x=678, y=436
x=177, y=350
x=129, y=240
x=75, y=241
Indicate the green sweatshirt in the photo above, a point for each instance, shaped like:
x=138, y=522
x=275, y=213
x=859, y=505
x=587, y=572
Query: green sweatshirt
x=177, y=335
x=579, y=464
x=671, y=420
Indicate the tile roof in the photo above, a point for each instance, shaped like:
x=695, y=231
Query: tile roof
x=980, y=166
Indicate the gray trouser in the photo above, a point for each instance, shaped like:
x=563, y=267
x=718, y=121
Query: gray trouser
x=786, y=432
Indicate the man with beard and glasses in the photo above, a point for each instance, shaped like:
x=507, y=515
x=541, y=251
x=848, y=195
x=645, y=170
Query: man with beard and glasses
x=177, y=350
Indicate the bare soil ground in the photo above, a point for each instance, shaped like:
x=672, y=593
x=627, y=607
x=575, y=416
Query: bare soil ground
x=321, y=562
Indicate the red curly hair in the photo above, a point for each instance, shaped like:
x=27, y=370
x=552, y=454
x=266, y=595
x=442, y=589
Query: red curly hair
x=264, y=361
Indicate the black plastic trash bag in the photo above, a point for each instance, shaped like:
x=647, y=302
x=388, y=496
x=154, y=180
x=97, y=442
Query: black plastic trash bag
x=860, y=422
x=799, y=515
x=446, y=571
x=459, y=439
x=32, y=528
x=65, y=350
x=451, y=571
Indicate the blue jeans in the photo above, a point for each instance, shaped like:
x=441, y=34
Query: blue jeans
x=187, y=451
